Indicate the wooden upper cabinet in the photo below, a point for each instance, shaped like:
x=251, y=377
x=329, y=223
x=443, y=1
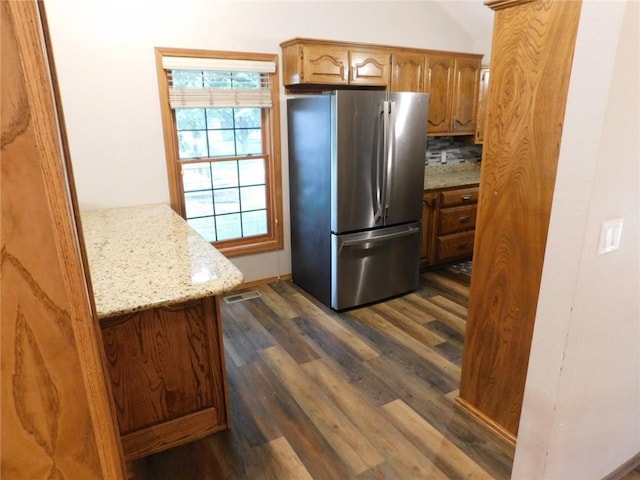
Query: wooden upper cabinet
x=440, y=87
x=408, y=72
x=323, y=64
x=452, y=79
x=369, y=67
x=465, y=94
x=317, y=62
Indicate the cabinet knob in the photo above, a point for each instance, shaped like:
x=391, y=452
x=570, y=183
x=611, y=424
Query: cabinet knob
x=466, y=197
x=464, y=219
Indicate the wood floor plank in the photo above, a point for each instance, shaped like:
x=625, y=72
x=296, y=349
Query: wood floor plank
x=354, y=370
x=444, y=280
x=276, y=302
x=456, y=322
x=403, y=359
x=407, y=324
x=409, y=309
x=369, y=316
x=307, y=308
x=355, y=449
x=491, y=453
x=318, y=456
x=450, y=305
x=284, y=332
x=243, y=334
x=397, y=450
x=285, y=464
x=256, y=425
x=443, y=452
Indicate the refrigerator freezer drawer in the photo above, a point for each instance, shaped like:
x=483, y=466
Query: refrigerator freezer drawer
x=374, y=265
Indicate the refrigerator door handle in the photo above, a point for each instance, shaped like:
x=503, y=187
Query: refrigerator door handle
x=370, y=241
x=390, y=140
x=385, y=159
x=378, y=164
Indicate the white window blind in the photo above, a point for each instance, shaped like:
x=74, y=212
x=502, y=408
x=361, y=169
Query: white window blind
x=235, y=94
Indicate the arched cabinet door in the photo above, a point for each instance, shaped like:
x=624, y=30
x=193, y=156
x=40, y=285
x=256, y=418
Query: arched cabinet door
x=56, y=412
x=440, y=88
x=465, y=94
x=407, y=72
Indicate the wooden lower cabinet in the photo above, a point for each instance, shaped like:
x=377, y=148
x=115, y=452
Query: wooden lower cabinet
x=167, y=372
x=448, y=224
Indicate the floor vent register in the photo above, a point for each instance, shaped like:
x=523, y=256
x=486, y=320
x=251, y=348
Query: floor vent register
x=241, y=297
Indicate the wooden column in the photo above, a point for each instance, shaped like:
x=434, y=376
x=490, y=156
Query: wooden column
x=56, y=418
x=532, y=52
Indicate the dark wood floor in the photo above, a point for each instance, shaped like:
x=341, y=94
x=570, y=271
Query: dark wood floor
x=364, y=394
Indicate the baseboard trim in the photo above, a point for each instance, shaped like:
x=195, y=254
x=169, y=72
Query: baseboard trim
x=263, y=281
x=486, y=421
x=625, y=468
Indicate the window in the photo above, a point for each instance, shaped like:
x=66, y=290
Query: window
x=220, y=114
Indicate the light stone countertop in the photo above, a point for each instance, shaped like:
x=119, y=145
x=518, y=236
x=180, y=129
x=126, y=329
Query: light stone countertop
x=451, y=175
x=148, y=256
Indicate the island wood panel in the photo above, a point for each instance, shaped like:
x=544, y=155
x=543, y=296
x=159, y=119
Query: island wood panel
x=532, y=53
x=166, y=364
x=56, y=417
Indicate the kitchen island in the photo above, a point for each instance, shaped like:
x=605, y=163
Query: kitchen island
x=156, y=284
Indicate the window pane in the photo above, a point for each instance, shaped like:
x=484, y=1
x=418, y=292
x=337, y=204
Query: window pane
x=227, y=200
x=252, y=172
x=192, y=144
x=196, y=176
x=254, y=223
x=229, y=226
x=253, y=198
x=249, y=142
x=219, y=118
x=205, y=227
x=198, y=204
x=221, y=143
x=190, y=119
x=187, y=78
x=225, y=174
x=247, y=117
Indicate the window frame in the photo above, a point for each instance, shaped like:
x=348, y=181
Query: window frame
x=273, y=239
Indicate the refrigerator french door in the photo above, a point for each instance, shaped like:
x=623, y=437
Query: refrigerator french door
x=356, y=173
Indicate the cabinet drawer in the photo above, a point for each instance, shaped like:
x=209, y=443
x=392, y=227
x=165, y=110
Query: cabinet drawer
x=459, y=197
x=455, y=245
x=457, y=219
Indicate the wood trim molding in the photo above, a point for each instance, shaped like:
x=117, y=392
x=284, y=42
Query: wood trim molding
x=262, y=281
x=486, y=421
x=502, y=4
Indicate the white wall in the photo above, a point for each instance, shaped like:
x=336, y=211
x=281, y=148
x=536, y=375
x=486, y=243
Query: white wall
x=106, y=67
x=581, y=412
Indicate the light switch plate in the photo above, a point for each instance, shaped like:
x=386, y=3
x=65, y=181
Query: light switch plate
x=610, y=233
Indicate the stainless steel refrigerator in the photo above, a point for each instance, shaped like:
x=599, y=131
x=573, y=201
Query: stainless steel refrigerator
x=356, y=175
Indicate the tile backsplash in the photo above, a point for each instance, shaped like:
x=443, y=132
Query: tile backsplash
x=457, y=151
